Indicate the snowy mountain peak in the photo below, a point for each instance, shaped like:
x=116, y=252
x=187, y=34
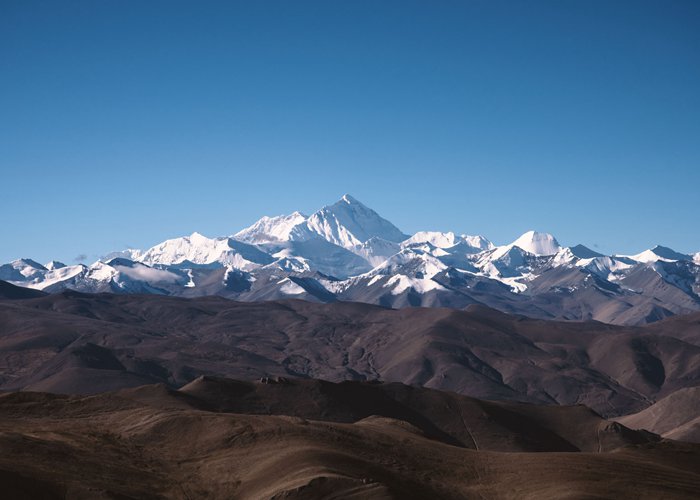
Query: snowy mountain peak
x=195, y=248
x=669, y=253
x=477, y=242
x=435, y=238
x=659, y=253
x=198, y=237
x=54, y=264
x=583, y=252
x=274, y=229
x=25, y=262
x=537, y=243
x=448, y=240
x=348, y=223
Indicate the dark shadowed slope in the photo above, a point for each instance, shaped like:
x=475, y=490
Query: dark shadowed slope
x=11, y=292
x=170, y=444
x=445, y=416
x=86, y=343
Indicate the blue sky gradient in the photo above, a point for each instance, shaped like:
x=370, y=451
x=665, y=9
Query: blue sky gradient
x=123, y=123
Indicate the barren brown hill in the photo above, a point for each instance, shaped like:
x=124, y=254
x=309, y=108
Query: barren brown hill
x=88, y=343
x=441, y=415
x=155, y=442
x=676, y=416
x=685, y=327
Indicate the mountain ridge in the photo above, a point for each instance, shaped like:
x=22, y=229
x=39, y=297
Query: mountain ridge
x=85, y=343
x=346, y=251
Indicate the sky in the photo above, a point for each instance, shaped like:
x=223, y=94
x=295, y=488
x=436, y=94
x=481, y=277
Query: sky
x=124, y=123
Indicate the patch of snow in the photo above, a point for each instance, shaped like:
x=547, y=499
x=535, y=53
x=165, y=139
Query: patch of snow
x=338, y=286
x=190, y=283
x=374, y=280
x=515, y=284
x=291, y=264
x=290, y=288
x=401, y=283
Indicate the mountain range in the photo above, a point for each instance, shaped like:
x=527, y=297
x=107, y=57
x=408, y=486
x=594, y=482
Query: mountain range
x=348, y=252
x=78, y=343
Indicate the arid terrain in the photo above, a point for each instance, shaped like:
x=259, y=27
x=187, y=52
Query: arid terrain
x=144, y=396
x=78, y=343
x=219, y=438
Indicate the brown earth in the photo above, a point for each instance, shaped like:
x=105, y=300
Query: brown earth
x=89, y=343
x=212, y=440
x=676, y=416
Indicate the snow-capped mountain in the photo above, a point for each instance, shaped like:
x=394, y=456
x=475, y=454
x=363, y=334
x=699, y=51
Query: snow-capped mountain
x=660, y=253
x=346, y=251
x=448, y=240
x=200, y=250
x=531, y=242
x=348, y=223
x=22, y=270
x=274, y=229
x=53, y=265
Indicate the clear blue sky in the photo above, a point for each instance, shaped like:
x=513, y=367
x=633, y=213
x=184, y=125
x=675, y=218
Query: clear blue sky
x=128, y=122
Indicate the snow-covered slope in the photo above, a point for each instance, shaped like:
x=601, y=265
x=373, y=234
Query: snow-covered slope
x=531, y=242
x=348, y=223
x=449, y=239
x=58, y=275
x=21, y=270
x=198, y=249
x=659, y=253
x=274, y=229
x=435, y=238
x=53, y=265
x=537, y=243
x=376, y=250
